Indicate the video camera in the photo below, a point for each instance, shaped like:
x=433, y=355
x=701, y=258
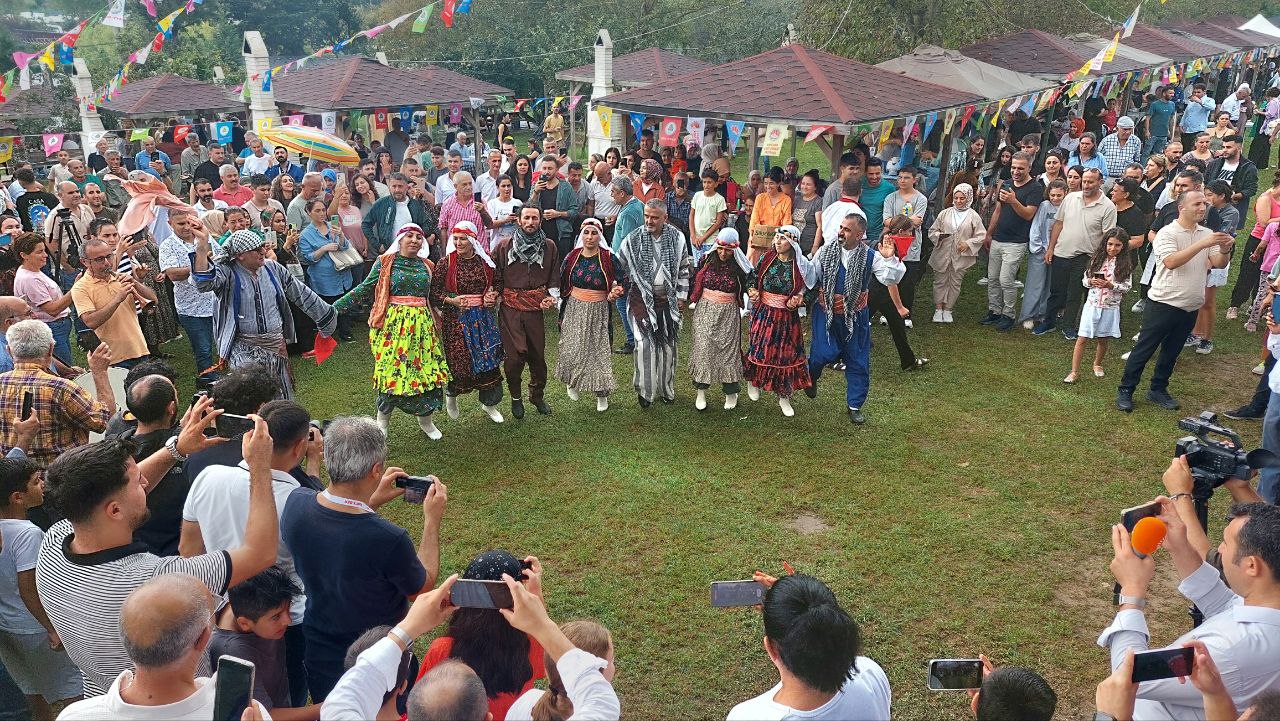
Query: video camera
x=1214, y=461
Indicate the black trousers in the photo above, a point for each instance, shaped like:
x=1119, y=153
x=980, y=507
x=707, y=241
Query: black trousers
x=1164, y=328
x=1066, y=290
x=295, y=645
x=1250, y=272
x=907, y=286
x=878, y=301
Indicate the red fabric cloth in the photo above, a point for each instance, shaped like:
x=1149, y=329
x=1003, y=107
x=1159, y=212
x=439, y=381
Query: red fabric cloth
x=499, y=705
x=324, y=348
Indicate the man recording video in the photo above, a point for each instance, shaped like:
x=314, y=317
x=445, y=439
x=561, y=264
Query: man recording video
x=1241, y=631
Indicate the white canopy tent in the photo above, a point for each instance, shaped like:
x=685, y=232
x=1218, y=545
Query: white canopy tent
x=950, y=68
x=1262, y=25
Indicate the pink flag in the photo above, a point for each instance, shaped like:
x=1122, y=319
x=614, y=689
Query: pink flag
x=293, y=120
x=573, y=102
x=52, y=144
x=816, y=132
x=22, y=60
x=372, y=33
x=150, y=5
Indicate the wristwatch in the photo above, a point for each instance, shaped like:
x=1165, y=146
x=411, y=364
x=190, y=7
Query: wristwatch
x=1138, y=601
x=171, y=445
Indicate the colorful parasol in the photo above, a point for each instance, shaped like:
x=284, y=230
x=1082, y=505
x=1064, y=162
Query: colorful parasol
x=311, y=143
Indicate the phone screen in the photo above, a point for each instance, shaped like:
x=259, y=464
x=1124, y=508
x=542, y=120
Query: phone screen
x=955, y=674
x=230, y=425
x=1130, y=516
x=466, y=593
x=26, y=405
x=725, y=594
x=1169, y=663
x=234, y=688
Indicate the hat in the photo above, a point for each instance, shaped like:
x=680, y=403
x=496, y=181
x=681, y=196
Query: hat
x=243, y=241
x=490, y=565
x=1125, y=122
x=329, y=174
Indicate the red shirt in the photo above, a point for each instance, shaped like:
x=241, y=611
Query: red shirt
x=442, y=647
x=242, y=195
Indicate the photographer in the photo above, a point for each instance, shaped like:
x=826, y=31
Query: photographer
x=65, y=240
x=1241, y=632
x=1012, y=692
x=1180, y=485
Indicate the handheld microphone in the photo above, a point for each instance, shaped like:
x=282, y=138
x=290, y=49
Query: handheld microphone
x=1147, y=535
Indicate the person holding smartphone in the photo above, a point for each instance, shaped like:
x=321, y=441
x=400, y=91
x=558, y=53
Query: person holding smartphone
x=558, y=202
x=321, y=237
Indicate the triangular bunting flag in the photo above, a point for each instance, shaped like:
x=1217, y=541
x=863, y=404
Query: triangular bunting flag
x=816, y=131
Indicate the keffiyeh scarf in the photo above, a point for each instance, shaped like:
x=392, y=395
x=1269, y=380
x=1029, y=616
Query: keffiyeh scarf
x=829, y=260
x=527, y=248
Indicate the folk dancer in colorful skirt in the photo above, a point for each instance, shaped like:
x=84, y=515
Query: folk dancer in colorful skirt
x=653, y=267
x=462, y=289
x=252, y=322
x=587, y=288
x=409, y=370
x=719, y=283
x=841, y=317
x=775, y=359
x=524, y=276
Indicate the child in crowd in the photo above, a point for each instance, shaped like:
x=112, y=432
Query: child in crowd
x=1218, y=193
x=252, y=627
x=29, y=645
x=1268, y=250
x=1035, y=295
x=707, y=216
x=1108, y=278
x=903, y=232
x=554, y=704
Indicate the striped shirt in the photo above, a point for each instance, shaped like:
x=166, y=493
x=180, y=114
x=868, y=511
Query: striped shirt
x=83, y=594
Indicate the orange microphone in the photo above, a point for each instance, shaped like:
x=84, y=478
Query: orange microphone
x=1147, y=535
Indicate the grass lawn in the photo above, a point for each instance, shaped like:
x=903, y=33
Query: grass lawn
x=971, y=514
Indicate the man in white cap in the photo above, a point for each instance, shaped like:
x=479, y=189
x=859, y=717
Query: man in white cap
x=1120, y=148
x=252, y=322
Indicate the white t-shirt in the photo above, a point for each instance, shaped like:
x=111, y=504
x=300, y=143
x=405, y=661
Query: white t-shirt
x=403, y=218
x=254, y=165
x=21, y=548
x=444, y=189
x=500, y=209
x=705, y=210
x=196, y=707
x=202, y=211
x=833, y=215
x=487, y=187
x=219, y=502
x=602, y=194
x=865, y=697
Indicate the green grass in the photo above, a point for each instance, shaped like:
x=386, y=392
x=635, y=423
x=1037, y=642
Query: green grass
x=971, y=514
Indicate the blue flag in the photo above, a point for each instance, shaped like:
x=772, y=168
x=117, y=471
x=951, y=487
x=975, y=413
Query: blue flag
x=222, y=132
x=637, y=124
x=406, y=118
x=66, y=54
x=928, y=125
x=464, y=6
x=266, y=82
x=735, y=128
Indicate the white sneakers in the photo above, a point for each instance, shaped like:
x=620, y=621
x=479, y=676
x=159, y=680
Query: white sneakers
x=753, y=392
x=451, y=406
x=573, y=395
x=947, y=317
x=384, y=422
x=492, y=411
x=428, y=426
x=785, y=404
x=602, y=404
x=938, y=316
x=731, y=401
x=701, y=402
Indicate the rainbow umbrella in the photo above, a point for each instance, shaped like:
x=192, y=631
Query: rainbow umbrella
x=311, y=143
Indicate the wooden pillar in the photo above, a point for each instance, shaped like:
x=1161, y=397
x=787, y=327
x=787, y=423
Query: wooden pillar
x=573, y=135
x=753, y=149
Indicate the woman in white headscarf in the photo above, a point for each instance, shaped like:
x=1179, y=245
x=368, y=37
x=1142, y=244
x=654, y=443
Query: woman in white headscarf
x=462, y=288
x=588, y=286
x=776, y=360
x=957, y=236
x=722, y=278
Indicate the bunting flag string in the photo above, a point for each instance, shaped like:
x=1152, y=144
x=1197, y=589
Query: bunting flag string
x=165, y=27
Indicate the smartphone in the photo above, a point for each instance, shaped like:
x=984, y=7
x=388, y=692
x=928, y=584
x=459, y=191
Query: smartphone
x=1169, y=663
x=195, y=397
x=1130, y=516
x=230, y=425
x=26, y=404
x=476, y=197
x=234, y=688
x=415, y=487
x=466, y=593
x=1100, y=276
x=955, y=674
x=725, y=594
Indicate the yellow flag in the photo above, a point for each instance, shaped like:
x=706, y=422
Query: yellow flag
x=559, y=99
x=1173, y=74
x=1110, y=53
x=1084, y=69
x=264, y=124
x=433, y=115
x=886, y=129
x=606, y=120
x=6, y=149
x=995, y=117
x=948, y=121
x=46, y=58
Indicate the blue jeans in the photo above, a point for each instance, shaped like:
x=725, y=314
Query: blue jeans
x=200, y=335
x=626, y=321
x=61, y=329
x=855, y=352
x=1153, y=144
x=1269, y=478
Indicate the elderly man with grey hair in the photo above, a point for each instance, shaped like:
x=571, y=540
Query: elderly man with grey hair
x=652, y=263
x=359, y=569
x=311, y=188
x=166, y=625
x=628, y=216
x=231, y=191
x=67, y=412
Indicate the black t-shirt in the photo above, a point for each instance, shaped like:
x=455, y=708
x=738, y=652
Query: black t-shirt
x=40, y=204
x=1011, y=227
x=547, y=201
x=1133, y=221
x=1143, y=201
x=209, y=171
x=165, y=500
x=97, y=163
x=230, y=454
x=359, y=571
x=270, y=681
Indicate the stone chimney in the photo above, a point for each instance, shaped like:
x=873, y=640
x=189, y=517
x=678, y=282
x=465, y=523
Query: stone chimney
x=90, y=121
x=597, y=140
x=257, y=61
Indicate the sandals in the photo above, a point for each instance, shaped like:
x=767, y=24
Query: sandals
x=1070, y=379
x=1098, y=372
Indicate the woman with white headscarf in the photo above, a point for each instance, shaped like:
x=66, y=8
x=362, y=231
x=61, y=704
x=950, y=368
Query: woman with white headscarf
x=584, y=362
x=776, y=360
x=409, y=370
x=462, y=288
x=722, y=278
x=957, y=236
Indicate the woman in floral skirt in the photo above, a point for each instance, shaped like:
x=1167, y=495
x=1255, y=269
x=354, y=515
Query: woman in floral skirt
x=776, y=360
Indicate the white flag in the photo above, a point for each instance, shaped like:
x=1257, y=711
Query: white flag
x=143, y=54
x=24, y=77
x=695, y=129
x=329, y=122
x=115, y=15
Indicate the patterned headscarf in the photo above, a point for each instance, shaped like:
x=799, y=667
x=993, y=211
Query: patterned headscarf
x=423, y=252
x=466, y=227
x=243, y=241
x=490, y=565
x=728, y=238
x=593, y=223
x=650, y=170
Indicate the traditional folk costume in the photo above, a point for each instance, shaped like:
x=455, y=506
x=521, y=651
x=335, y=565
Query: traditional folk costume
x=525, y=272
x=252, y=322
x=718, y=287
x=409, y=369
x=472, y=342
x=655, y=273
x=775, y=359
x=842, y=318
x=584, y=362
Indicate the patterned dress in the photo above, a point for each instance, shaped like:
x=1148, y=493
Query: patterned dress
x=717, y=327
x=585, y=359
x=470, y=335
x=159, y=320
x=409, y=369
x=776, y=361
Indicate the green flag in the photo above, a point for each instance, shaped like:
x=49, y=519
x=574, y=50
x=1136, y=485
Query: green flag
x=420, y=23
x=139, y=134
x=355, y=121
x=244, y=91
